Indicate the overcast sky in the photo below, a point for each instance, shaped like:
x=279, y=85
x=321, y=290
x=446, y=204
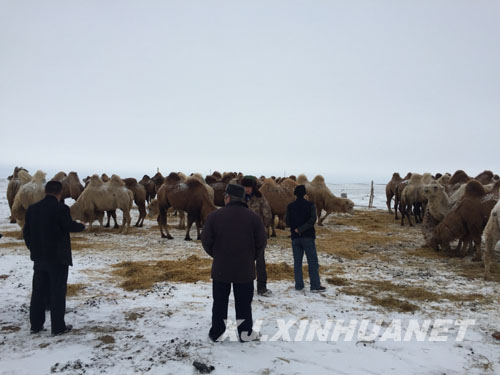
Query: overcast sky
x=354, y=90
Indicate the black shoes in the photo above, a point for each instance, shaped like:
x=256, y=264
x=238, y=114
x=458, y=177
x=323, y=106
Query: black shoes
x=33, y=331
x=265, y=293
x=320, y=289
x=68, y=328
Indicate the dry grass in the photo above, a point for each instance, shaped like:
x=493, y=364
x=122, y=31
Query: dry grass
x=4, y=245
x=74, y=289
x=461, y=266
x=16, y=234
x=371, y=221
x=393, y=296
x=143, y=275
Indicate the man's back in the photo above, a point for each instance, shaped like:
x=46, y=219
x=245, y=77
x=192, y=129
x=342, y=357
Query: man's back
x=234, y=236
x=46, y=232
x=301, y=214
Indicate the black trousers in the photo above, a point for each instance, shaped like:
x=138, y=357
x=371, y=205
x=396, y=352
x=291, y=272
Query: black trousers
x=243, y=295
x=260, y=265
x=49, y=283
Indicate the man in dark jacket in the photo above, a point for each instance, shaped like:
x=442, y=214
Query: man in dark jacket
x=300, y=217
x=46, y=234
x=234, y=237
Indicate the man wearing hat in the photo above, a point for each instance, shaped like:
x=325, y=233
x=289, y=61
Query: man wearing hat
x=300, y=217
x=234, y=237
x=259, y=204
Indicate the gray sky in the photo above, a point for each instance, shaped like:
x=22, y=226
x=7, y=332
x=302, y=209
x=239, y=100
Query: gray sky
x=354, y=90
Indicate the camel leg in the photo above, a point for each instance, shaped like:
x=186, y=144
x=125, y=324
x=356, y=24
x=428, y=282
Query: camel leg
x=489, y=254
x=162, y=223
x=458, y=250
x=389, y=198
x=190, y=223
x=182, y=220
x=281, y=224
x=321, y=220
x=318, y=212
x=479, y=255
x=113, y=215
x=109, y=219
x=142, y=215
x=198, y=230
x=272, y=227
x=126, y=221
x=396, y=206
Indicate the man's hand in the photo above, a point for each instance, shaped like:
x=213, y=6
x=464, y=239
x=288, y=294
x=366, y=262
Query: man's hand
x=297, y=231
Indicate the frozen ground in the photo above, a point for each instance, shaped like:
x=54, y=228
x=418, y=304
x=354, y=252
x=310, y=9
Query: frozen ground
x=164, y=329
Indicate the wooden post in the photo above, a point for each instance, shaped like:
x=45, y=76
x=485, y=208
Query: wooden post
x=370, y=204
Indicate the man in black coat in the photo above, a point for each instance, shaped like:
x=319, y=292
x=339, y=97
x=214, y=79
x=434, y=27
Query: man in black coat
x=235, y=237
x=300, y=217
x=46, y=234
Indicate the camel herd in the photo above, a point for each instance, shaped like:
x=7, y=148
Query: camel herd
x=193, y=197
x=450, y=208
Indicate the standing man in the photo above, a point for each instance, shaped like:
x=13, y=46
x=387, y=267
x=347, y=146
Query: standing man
x=300, y=217
x=259, y=204
x=234, y=237
x=46, y=234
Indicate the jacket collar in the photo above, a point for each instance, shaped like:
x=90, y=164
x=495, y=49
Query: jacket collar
x=50, y=197
x=243, y=204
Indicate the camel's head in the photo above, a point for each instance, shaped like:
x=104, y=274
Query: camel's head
x=77, y=211
x=432, y=190
x=153, y=209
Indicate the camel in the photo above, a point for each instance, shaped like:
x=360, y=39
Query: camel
x=139, y=193
x=99, y=197
x=150, y=187
x=390, y=189
x=466, y=220
x=492, y=234
x=72, y=187
x=219, y=186
x=28, y=194
x=412, y=197
x=279, y=197
x=323, y=198
x=190, y=196
x=15, y=182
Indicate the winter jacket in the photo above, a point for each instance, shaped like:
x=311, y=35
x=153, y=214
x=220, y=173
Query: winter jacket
x=46, y=231
x=301, y=215
x=234, y=236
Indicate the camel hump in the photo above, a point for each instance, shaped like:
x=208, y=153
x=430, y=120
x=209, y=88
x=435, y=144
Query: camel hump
x=116, y=180
x=318, y=180
x=193, y=182
x=416, y=178
x=39, y=177
x=59, y=176
x=474, y=188
x=396, y=175
x=302, y=179
x=24, y=176
x=488, y=174
x=95, y=180
x=458, y=176
x=210, y=179
x=173, y=178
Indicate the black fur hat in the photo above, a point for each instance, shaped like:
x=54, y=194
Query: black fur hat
x=249, y=181
x=300, y=191
x=237, y=191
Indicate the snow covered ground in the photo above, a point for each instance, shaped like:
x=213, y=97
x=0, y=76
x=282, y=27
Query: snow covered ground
x=164, y=329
